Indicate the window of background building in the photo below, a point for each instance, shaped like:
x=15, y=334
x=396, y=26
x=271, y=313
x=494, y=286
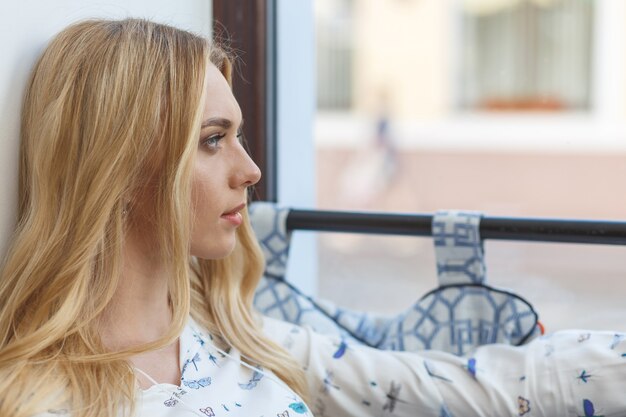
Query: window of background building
x=526, y=55
x=334, y=54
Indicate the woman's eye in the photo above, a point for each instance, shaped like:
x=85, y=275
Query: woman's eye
x=213, y=141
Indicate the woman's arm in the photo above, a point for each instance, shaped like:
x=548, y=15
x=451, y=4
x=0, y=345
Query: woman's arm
x=572, y=373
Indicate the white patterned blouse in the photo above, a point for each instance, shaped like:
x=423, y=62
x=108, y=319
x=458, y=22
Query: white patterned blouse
x=569, y=373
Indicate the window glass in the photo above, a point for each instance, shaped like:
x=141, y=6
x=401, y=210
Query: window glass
x=508, y=107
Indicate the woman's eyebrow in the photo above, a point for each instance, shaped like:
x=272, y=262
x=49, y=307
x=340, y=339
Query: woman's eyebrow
x=219, y=121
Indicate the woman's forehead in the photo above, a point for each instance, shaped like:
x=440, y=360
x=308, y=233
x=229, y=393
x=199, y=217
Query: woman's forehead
x=219, y=100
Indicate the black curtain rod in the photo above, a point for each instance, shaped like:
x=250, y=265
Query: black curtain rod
x=499, y=228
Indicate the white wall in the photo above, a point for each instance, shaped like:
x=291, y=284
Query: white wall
x=25, y=28
x=296, y=109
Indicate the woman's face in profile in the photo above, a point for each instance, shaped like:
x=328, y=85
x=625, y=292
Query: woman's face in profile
x=222, y=171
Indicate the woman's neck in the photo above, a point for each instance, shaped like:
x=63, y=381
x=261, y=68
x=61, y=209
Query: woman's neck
x=139, y=312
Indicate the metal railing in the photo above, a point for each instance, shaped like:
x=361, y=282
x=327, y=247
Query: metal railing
x=498, y=228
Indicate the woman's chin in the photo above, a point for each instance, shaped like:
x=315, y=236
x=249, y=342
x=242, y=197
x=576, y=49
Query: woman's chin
x=213, y=251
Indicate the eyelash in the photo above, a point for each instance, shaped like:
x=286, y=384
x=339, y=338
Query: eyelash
x=212, y=141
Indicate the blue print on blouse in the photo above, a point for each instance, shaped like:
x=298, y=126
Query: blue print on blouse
x=431, y=371
x=207, y=412
x=584, y=376
x=617, y=338
x=254, y=381
x=588, y=409
x=193, y=361
x=199, y=339
x=523, y=406
x=328, y=382
x=343, y=346
x=444, y=411
x=199, y=383
x=298, y=407
x=202, y=344
x=170, y=402
x=471, y=367
x=213, y=359
x=392, y=397
x=173, y=400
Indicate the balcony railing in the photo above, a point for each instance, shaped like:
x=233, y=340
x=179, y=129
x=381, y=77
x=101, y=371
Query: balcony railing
x=498, y=228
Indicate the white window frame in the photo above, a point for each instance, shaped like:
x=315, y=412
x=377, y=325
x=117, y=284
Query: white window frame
x=295, y=84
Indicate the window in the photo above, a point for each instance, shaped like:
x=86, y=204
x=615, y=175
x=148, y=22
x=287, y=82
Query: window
x=526, y=55
x=334, y=53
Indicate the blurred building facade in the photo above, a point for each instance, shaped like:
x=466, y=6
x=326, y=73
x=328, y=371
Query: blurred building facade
x=472, y=55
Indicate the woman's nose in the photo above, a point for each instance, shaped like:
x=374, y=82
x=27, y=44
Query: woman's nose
x=246, y=173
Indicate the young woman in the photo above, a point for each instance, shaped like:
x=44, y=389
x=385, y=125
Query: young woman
x=129, y=283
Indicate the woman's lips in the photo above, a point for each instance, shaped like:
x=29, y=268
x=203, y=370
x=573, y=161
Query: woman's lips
x=233, y=216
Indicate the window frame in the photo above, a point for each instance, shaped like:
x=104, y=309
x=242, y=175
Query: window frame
x=248, y=26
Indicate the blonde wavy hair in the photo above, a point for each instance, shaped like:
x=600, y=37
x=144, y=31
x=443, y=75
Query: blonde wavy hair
x=109, y=105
